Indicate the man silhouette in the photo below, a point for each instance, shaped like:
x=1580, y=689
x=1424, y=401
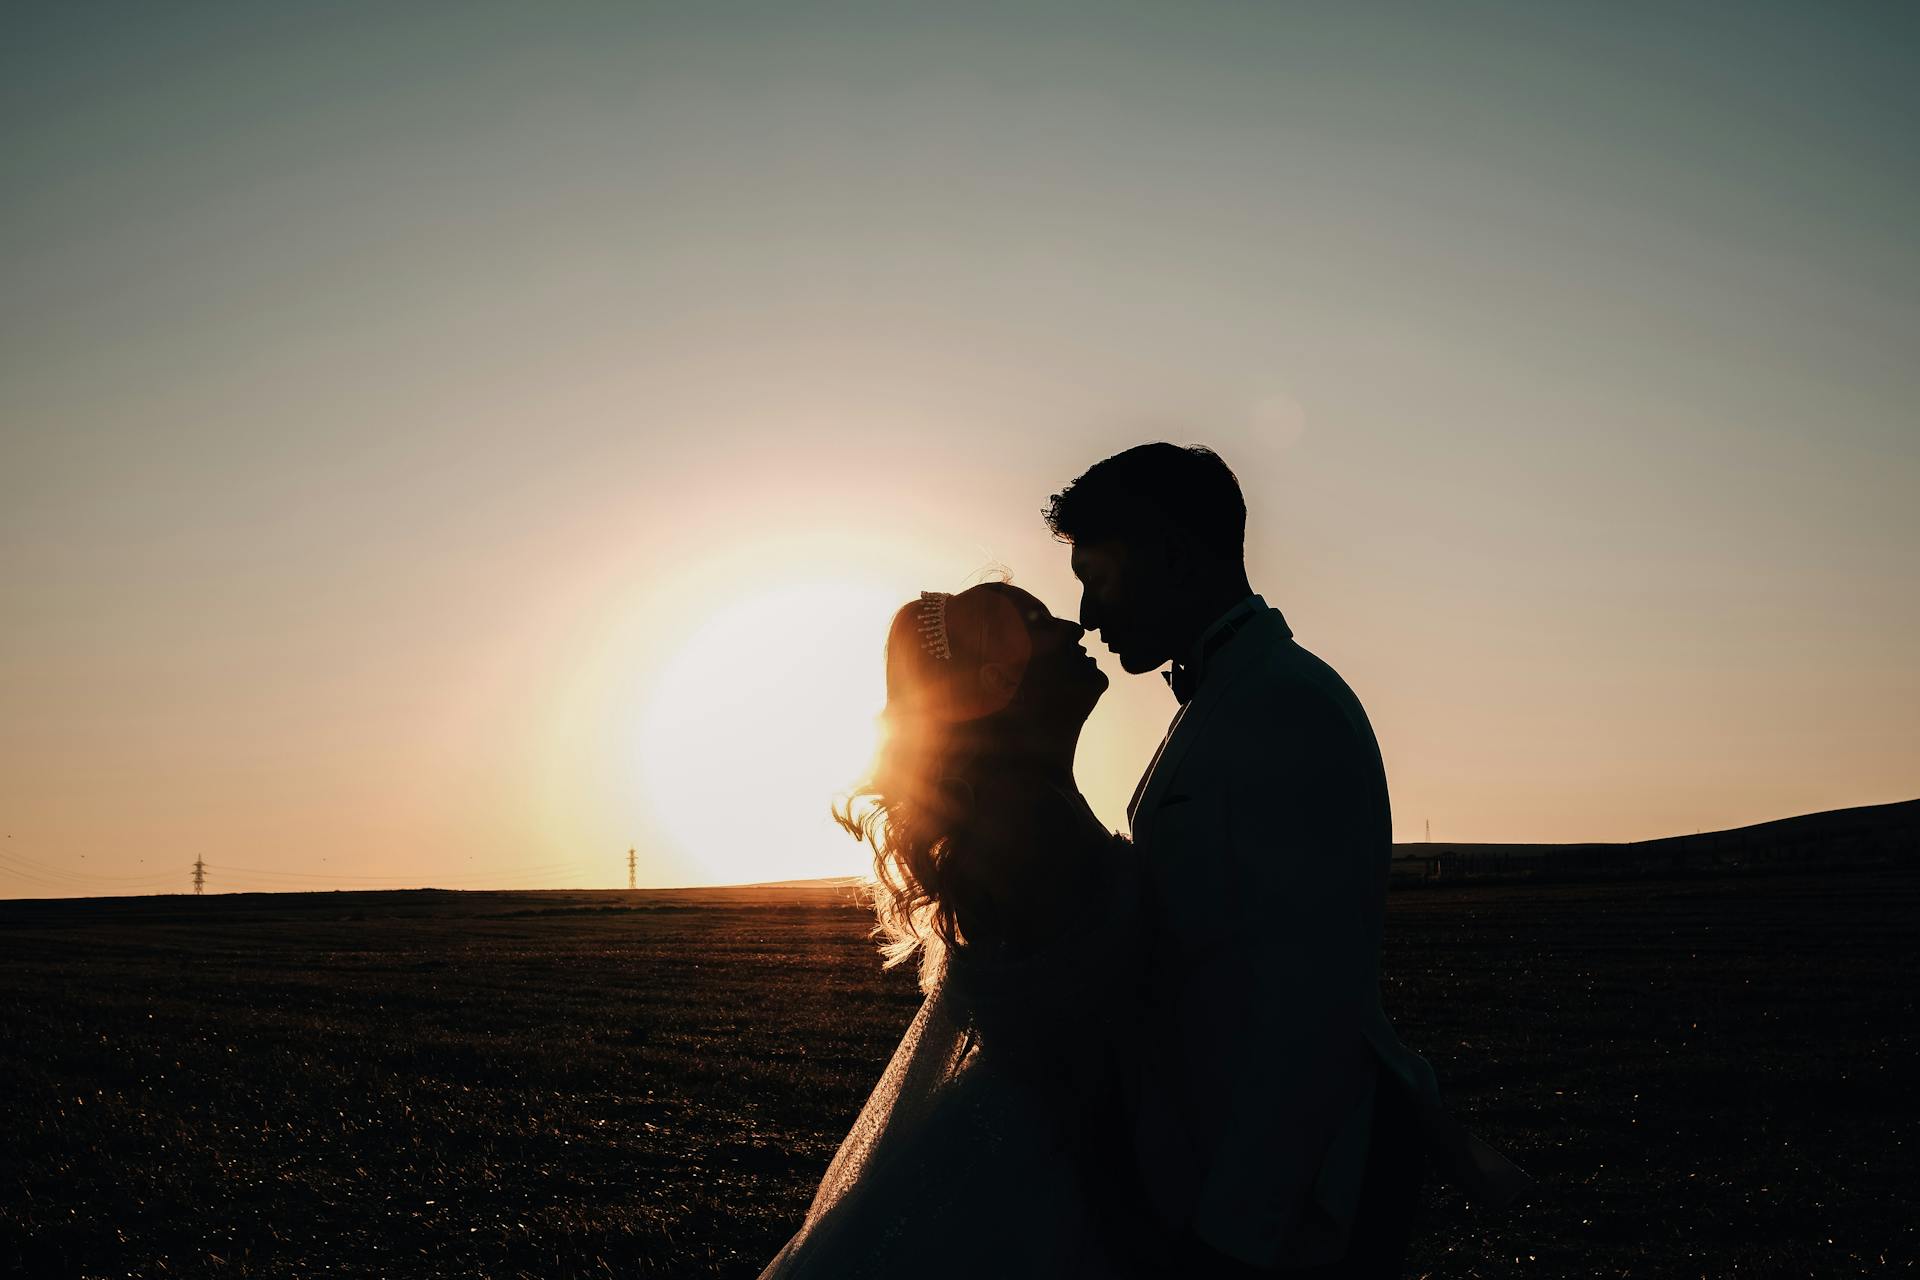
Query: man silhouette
x=1279, y=1124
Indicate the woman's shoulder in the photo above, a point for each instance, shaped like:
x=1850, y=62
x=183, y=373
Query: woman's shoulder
x=1043, y=838
x=1021, y=808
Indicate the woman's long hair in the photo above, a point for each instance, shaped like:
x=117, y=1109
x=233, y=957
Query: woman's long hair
x=915, y=806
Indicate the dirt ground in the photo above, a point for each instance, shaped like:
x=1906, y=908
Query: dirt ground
x=1709, y=1077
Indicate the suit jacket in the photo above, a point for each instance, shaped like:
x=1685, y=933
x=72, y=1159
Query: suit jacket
x=1264, y=828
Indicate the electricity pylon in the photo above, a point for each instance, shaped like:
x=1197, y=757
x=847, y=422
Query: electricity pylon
x=629, y=868
x=199, y=874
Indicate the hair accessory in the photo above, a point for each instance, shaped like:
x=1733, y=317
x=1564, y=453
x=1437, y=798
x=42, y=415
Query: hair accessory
x=933, y=624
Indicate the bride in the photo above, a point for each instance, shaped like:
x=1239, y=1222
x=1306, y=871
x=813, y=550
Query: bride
x=993, y=1143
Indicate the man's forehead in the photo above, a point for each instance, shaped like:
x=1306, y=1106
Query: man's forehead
x=1094, y=557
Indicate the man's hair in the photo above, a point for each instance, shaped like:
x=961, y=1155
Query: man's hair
x=1131, y=493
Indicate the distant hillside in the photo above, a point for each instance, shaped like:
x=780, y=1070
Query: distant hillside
x=816, y=882
x=1869, y=835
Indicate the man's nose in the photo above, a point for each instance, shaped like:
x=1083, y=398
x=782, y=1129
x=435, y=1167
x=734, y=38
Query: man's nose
x=1087, y=620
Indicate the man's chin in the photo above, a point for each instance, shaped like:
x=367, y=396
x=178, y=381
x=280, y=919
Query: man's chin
x=1138, y=664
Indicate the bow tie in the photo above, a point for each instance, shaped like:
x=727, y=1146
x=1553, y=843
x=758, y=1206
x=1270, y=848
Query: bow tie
x=1184, y=677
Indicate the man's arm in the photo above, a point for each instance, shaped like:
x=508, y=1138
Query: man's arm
x=1281, y=1059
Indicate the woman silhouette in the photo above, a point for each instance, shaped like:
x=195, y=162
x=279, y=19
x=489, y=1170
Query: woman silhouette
x=992, y=1144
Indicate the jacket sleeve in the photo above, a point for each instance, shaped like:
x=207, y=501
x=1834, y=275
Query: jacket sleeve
x=1277, y=1060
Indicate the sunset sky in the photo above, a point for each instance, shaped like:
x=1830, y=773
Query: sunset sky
x=454, y=444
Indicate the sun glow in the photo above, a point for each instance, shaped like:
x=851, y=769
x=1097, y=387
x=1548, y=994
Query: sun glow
x=763, y=717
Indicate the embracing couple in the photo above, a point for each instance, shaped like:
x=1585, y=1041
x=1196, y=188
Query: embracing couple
x=1162, y=1055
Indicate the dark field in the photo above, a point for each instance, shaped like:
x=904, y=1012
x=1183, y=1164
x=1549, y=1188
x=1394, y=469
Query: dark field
x=1708, y=1076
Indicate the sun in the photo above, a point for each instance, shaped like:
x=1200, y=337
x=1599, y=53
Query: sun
x=762, y=718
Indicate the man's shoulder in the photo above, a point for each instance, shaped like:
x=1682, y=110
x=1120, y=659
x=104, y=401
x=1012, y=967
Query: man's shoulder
x=1288, y=675
x=1295, y=722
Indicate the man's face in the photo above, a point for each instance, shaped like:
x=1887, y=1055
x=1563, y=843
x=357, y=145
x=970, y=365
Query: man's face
x=1123, y=597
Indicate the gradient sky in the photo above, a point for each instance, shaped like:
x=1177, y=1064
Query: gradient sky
x=453, y=444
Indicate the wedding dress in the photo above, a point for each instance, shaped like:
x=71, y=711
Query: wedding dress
x=994, y=1143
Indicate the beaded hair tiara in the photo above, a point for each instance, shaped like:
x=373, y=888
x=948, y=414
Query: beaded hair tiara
x=933, y=624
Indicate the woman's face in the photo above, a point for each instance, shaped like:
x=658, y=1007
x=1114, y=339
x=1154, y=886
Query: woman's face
x=1062, y=679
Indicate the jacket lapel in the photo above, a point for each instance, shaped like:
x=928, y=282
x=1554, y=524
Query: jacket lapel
x=1233, y=661
x=1140, y=787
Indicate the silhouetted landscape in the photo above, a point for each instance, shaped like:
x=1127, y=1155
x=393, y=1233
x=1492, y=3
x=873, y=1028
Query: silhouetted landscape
x=1706, y=1065
x=1864, y=836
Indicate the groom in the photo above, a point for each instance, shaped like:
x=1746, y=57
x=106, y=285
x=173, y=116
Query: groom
x=1277, y=1118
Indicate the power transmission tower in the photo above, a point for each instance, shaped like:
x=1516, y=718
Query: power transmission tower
x=199, y=874
x=629, y=868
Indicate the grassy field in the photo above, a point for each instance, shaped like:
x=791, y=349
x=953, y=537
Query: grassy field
x=1710, y=1077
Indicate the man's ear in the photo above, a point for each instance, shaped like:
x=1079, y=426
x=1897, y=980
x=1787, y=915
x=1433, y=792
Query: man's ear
x=1179, y=557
